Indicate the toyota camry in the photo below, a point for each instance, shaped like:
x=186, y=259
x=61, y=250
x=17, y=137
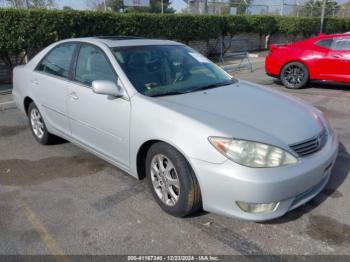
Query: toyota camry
x=159, y=110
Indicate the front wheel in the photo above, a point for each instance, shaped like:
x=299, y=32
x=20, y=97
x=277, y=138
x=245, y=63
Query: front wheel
x=294, y=75
x=172, y=180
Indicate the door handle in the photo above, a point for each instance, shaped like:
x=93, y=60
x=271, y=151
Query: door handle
x=73, y=96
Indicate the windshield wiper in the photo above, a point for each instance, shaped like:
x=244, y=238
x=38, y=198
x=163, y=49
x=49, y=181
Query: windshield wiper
x=168, y=94
x=225, y=83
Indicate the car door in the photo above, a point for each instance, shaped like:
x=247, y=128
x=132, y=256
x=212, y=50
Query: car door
x=100, y=122
x=338, y=60
x=50, y=83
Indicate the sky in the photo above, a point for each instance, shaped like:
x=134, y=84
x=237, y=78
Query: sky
x=177, y=4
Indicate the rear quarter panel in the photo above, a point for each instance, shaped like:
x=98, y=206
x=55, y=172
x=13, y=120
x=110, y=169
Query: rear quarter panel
x=21, y=85
x=306, y=52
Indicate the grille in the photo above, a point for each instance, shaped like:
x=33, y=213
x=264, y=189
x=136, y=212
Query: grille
x=310, y=146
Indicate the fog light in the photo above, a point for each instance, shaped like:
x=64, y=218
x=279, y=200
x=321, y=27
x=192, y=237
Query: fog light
x=257, y=208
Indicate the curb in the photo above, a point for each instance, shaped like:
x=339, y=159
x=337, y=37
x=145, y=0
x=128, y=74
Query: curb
x=7, y=105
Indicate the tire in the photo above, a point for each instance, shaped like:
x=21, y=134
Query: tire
x=38, y=127
x=176, y=168
x=294, y=75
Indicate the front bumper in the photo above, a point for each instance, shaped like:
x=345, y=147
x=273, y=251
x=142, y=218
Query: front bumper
x=224, y=184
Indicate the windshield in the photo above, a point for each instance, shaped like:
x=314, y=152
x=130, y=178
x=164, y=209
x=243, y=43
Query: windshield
x=169, y=69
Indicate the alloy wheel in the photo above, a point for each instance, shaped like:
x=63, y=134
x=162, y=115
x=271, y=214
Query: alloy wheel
x=294, y=75
x=37, y=123
x=165, y=180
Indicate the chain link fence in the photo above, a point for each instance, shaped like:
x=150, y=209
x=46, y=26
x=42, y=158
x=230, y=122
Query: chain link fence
x=283, y=8
x=298, y=10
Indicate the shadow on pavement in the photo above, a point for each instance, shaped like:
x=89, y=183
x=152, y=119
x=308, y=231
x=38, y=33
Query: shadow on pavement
x=321, y=85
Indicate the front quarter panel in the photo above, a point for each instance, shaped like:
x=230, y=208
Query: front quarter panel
x=151, y=120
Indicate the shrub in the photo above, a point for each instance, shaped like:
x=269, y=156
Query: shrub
x=23, y=30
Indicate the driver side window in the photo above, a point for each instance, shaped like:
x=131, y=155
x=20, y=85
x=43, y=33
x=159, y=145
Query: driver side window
x=92, y=64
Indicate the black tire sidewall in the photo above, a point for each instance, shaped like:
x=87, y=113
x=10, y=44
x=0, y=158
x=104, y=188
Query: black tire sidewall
x=46, y=137
x=303, y=83
x=187, y=198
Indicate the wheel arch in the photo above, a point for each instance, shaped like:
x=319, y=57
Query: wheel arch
x=26, y=102
x=142, y=152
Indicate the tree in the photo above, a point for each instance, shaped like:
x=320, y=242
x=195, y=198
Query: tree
x=314, y=8
x=241, y=5
x=155, y=7
x=118, y=6
x=344, y=10
x=13, y=3
x=29, y=3
x=41, y=3
x=67, y=8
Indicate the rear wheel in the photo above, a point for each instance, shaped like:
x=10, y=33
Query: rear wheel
x=38, y=127
x=172, y=180
x=294, y=75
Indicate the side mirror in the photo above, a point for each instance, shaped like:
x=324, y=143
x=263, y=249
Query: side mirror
x=105, y=87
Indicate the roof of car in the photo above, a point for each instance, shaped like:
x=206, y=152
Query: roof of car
x=333, y=35
x=116, y=41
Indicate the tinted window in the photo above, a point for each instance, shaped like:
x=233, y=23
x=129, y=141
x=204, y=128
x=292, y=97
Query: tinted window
x=325, y=43
x=166, y=69
x=57, y=62
x=93, y=65
x=341, y=44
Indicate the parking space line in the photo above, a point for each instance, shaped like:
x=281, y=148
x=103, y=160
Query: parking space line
x=46, y=237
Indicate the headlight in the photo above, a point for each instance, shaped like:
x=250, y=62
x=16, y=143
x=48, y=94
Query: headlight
x=252, y=154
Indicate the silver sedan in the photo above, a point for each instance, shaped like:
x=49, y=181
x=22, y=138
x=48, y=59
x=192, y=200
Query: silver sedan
x=160, y=110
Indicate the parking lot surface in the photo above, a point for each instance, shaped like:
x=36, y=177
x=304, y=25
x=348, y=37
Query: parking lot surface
x=62, y=200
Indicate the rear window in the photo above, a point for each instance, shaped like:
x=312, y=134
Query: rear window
x=57, y=62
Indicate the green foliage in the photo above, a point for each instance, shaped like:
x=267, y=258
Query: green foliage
x=235, y=24
x=314, y=8
x=263, y=24
x=23, y=30
x=302, y=25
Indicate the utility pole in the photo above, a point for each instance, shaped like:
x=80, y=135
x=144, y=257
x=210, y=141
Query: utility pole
x=297, y=4
x=282, y=7
x=322, y=15
x=105, y=5
x=162, y=5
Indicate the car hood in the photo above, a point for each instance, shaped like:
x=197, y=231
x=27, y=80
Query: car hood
x=269, y=112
